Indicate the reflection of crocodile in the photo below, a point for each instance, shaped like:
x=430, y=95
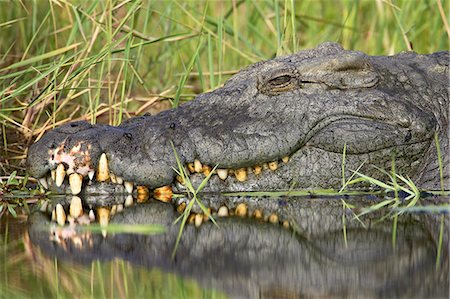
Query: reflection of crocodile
x=274, y=125
x=247, y=258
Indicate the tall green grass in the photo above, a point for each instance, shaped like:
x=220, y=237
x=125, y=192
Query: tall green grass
x=104, y=61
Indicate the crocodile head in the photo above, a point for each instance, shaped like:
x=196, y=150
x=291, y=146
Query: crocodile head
x=274, y=125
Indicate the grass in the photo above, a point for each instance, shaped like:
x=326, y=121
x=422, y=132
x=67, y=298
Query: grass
x=102, y=60
x=105, y=61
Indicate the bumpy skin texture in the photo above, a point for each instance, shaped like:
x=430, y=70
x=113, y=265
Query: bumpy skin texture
x=306, y=106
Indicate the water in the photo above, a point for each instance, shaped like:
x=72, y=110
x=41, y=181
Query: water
x=324, y=253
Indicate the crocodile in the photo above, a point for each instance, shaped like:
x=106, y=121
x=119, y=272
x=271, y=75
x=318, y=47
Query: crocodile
x=307, y=120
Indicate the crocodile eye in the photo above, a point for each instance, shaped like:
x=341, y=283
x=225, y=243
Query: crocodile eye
x=280, y=81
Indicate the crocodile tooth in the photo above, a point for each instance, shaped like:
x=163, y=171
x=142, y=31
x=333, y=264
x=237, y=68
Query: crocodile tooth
x=198, y=220
x=112, y=176
x=241, y=210
x=75, y=182
x=92, y=215
x=91, y=174
x=119, y=180
x=286, y=224
x=43, y=182
x=69, y=171
x=273, y=218
x=60, y=215
x=119, y=208
x=180, y=179
x=285, y=159
x=60, y=174
x=222, y=173
x=273, y=165
x=113, y=210
x=142, y=189
x=103, y=218
x=197, y=166
x=163, y=193
x=222, y=212
x=181, y=207
x=257, y=169
x=103, y=170
x=54, y=215
x=53, y=174
x=129, y=201
x=191, y=218
x=76, y=207
x=128, y=186
x=142, y=197
x=258, y=214
x=190, y=167
x=44, y=206
x=241, y=174
x=206, y=169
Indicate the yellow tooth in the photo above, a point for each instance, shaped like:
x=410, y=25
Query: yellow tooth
x=198, y=220
x=257, y=169
x=60, y=214
x=43, y=182
x=129, y=201
x=54, y=215
x=273, y=165
x=241, y=174
x=128, y=187
x=286, y=224
x=163, y=193
x=119, y=180
x=142, y=190
x=91, y=215
x=113, y=210
x=258, y=214
x=75, y=182
x=241, y=210
x=191, y=218
x=91, y=174
x=206, y=169
x=112, y=176
x=273, y=218
x=119, y=208
x=142, y=197
x=285, y=159
x=103, y=170
x=53, y=174
x=190, y=167
x=103, y=218
x=197, y=166
x=222, y=212
x=44, y=206
x=76, y=207
x=181, y=207
x=180, y=179
x=60, y=174
x=222, y=173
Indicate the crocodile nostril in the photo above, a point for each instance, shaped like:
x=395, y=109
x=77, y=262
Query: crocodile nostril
x=74, y=125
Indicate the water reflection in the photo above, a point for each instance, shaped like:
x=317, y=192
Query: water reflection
x=325, y=252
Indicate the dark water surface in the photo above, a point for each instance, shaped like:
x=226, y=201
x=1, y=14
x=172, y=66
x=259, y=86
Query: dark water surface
x=325, y=253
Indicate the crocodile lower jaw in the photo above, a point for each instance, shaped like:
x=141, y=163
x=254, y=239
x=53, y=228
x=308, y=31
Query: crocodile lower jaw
x=66, y=178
